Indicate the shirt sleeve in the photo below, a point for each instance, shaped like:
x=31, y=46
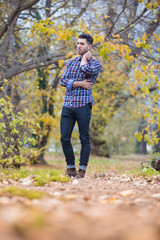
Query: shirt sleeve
x=91, y=67
x=65, y=81
x=93, y=78
x=70, y=84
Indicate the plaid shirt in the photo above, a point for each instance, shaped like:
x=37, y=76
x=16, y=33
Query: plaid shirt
x=78, y=97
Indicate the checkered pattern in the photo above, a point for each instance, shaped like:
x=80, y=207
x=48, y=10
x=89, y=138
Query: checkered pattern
x=78, y=97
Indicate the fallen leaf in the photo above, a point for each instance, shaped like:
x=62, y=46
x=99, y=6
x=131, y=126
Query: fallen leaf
x=5, y=182
x=71, y=196
x=126, y=193
x=75, y=181
x=103, y=197
x=26, y=181
x=125, y=180
x=107, y=201
x=11, y=181
x=4, y=200
x=87, y=197
x=156, y=195
x=57, y=194
x=140, y=200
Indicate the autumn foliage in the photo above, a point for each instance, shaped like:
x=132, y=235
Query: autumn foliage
x=36, y=42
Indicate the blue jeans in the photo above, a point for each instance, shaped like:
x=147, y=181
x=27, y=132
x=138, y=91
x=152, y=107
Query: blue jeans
x=69, y=116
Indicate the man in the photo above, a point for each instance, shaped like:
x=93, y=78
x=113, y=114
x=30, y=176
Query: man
x=78, y=77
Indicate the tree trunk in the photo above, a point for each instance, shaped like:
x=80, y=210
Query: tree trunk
x=142, y=145
x=99, y=146
x=42, y=146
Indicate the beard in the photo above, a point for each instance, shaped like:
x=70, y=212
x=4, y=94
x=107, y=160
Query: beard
x=81, y=53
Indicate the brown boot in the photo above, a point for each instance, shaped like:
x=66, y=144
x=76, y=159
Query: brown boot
x=71, y=172
x=81, y=173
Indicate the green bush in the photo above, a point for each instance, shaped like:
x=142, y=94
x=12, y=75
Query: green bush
x=16, y=131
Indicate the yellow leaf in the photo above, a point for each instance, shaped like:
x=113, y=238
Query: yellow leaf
x=51, y=30
x=146, y=91
x=68, y=54
x=146, y=116
x=127, y=57
x=60, y=63
x=138, y=136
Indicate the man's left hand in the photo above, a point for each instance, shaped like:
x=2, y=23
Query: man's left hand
x=87, y=55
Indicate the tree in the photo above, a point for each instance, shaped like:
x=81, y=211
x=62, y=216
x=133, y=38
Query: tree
x=22, y=21
x=140, y=53
x=14, y=61
x=37, y=34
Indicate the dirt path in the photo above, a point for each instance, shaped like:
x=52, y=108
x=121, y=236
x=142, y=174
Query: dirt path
x=98, y=207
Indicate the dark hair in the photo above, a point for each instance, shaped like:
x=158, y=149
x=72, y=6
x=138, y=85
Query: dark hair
x=88, y=38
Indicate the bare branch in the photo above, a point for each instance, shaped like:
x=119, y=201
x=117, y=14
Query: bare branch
x=32, y=64
x=48, y=8
x=62, y=6
x=132, y=22
x=123, y=8
x=18, y=9
x=8, y=36
x=118, y=104
x=79, y=14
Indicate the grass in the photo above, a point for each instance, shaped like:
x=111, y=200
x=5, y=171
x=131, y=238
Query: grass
x=99, y=164
x=15, y=174
x=146, y=173
x=44, y=176
x=39, y=176
x=30, y=194
x=129, y=164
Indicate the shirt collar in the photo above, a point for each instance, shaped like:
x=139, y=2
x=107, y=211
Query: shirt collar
x=79, y=58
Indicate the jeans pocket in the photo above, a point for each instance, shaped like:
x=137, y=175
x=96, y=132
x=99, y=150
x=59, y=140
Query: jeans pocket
x=90, y=105
x=88, y=111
